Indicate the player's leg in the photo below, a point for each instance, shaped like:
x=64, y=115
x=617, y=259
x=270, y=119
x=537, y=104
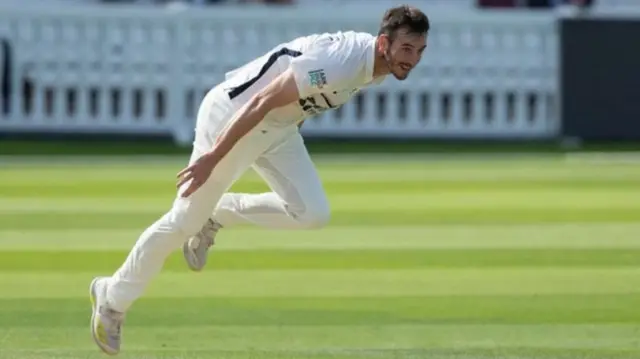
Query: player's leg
x=297, y=200
x=112, y=296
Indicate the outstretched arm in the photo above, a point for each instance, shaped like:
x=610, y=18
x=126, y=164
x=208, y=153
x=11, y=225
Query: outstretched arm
x=330, y=62
x=280, y=92
x=328, y=67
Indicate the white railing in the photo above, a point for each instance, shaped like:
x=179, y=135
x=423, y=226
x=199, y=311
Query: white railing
x=143, y=70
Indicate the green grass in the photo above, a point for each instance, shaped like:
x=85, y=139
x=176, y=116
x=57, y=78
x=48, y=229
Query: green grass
x=453, y=259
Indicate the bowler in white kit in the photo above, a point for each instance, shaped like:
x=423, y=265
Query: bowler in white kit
x=252, y=120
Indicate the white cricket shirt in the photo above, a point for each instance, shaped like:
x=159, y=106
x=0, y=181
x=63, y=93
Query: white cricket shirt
x=329, y=69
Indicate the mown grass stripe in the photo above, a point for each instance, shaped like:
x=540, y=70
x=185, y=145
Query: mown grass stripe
x=343, y=283
x=471, y=352
x=535, y=236
x=348, y=171
x=446, y=311
x=160, y=189
x=373, y=216
x=552, y=199
x=390, y=259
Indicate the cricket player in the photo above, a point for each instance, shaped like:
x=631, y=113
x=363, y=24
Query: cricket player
x=252, y=120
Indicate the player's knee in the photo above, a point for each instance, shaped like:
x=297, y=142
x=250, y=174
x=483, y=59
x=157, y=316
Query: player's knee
x=315, y=215
x=317, y=219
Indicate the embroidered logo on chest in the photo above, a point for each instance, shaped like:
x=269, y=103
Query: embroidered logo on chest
x=317, y=79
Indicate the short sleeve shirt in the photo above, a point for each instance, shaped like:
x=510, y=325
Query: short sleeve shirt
x=328, y=69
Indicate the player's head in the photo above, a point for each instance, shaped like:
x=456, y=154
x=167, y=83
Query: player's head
x=402, y=38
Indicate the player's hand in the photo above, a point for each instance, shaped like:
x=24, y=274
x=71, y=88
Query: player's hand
x=197, y=173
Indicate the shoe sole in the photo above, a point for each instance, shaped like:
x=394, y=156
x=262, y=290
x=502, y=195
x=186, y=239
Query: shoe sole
x=191, y=258
x=94, y=310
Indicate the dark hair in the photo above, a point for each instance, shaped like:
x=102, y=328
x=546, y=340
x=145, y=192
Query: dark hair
x=404, y=17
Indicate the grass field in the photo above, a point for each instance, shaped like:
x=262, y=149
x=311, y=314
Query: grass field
x=465, y=259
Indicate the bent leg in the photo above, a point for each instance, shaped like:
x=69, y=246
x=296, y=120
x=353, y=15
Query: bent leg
x=298, y=200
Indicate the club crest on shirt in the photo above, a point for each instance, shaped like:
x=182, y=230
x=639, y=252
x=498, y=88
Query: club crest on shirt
x=317, y=78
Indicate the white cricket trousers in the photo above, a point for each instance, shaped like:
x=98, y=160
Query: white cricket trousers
x=277, y=154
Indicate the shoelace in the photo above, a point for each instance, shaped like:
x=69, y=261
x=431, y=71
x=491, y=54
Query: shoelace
x=208, y=232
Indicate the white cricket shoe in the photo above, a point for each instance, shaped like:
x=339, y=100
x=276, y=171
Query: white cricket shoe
x=106, y=323
x=196, y=249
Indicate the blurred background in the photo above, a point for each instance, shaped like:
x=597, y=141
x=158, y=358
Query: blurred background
x=487, y=207
x=509, y=70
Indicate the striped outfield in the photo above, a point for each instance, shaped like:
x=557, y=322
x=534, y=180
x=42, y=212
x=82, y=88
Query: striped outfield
x=507, y=258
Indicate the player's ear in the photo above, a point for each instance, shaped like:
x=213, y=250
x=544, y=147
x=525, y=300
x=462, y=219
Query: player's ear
x=384, y=42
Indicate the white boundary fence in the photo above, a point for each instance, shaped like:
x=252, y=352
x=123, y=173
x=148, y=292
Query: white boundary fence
x=486, y=74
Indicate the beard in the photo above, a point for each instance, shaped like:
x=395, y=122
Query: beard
x=394, y=67
x=398, y=72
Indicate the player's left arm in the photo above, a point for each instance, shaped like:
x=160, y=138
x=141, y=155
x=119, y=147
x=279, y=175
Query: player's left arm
x=280, y=92
x=326, y=68
x=300, y=80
